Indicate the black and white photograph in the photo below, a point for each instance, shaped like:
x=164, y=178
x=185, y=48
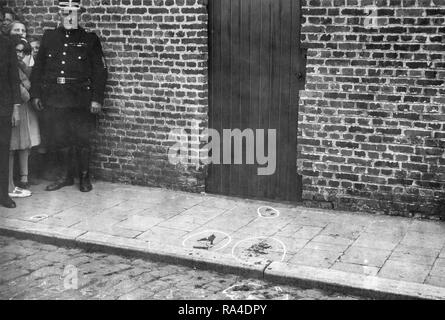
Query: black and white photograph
x=224, y=155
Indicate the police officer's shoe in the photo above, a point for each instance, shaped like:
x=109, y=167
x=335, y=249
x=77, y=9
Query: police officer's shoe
x=85, y=182
x=60, y=183
x=8, y=203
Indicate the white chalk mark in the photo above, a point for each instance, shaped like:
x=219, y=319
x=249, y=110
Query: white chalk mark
x=258, y=238
x=39, y=217
x=274, y=213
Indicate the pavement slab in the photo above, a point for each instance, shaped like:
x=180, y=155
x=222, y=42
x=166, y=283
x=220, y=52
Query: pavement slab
x=371, y=249
x=370, y=257
x=355, y=268
x=403, y=271
x=315, y=258
x=411, y=258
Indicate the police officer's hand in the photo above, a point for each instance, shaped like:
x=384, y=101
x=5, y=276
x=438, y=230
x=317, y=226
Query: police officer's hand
x=37, y=104
x=96, y=107
x=16, y=115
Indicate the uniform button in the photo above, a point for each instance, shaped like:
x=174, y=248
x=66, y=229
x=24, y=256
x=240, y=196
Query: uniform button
x=66, y=45
x=67, y=36
x=80, y=57
x=62, y=72
x=63, y=62
x=64, y=53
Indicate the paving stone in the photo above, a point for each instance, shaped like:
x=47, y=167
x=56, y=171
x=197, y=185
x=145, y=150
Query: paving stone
x=348, y=231
x=163, y=235
x=440, y=263
x=7, y=257
x=403, y=271
x=356, y=268
x=436, y=281
x=46, y=272
x=426, y=240
x=120, y=214
x=293, y=245
x=181, y=200
x=61, y=222
x=220, y=203
x=106, y=226
x=228, y=224
x=336, y=240
x=378, y=241
x=289, y=230
x=139, y=223
x=27, y=214
x=398, y=227
x=138, y=294
x=8, y=275
x=180, y=224
x=366, y=257
x=165, y=211
x=51, y=202
x=203, y=212
x=312, y=221
x=244, y=210
x=184, y=222
x=76, y=212
x=413, y=258
x=326, y=247
x=438, y=269
x=307, y=232
x=274, y=224
x=428, y=227
x=17, y=250
x=36, y=262
x=419, y=251
x=315, y=258
x=128, y=205
x=255, y=231
x=98, y=203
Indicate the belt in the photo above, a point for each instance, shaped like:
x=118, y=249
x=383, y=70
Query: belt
x=64, y=80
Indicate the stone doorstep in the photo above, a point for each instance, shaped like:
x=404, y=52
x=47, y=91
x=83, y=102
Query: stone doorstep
x=276, y=271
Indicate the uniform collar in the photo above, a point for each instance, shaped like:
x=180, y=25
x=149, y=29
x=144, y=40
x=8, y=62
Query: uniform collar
x=63, y=30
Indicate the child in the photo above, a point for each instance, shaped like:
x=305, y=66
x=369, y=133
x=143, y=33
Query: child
x=26, y=134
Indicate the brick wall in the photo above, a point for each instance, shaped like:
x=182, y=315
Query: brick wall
x=156, y=51
x=372, y=120
x=371, y=124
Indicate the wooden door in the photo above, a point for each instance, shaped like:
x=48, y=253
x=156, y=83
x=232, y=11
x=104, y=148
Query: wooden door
x=253, y=84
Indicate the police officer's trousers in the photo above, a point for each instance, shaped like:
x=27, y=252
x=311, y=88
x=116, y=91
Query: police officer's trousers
x=70, y=128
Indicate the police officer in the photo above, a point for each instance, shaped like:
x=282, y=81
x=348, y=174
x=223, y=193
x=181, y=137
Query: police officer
x=68, y=84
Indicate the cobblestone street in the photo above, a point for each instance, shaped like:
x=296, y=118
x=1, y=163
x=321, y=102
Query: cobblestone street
x=31, y=270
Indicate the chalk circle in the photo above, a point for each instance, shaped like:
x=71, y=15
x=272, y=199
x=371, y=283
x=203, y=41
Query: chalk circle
x=39, y=217
x=221, y=240
x=268, y=212
x=256, y=250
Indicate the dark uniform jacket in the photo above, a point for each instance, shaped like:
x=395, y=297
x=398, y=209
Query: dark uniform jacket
x=9, y=78
x=70, y=69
